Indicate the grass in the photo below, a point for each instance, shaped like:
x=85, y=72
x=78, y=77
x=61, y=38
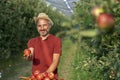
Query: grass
x=67, y=58
x=79, y=74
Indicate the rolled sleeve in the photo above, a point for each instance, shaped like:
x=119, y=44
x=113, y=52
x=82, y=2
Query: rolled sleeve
x=58, y=47
x=30, y=43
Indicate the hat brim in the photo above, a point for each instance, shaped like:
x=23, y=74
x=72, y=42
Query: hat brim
x=43, y=17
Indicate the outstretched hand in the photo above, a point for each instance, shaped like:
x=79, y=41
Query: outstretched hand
x=27, y=54
x=29, y=57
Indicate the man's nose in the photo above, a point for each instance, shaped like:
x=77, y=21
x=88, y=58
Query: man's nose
x=42, y=27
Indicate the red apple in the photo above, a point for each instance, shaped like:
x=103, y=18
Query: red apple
x=27, y=52
x=105, y=21
x=51, y=75
x=40, y=76
x=96, y=11
x=36, y=72
x=45, y=74
x=46, y=78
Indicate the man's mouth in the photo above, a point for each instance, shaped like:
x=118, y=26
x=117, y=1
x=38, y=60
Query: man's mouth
x=43, y=31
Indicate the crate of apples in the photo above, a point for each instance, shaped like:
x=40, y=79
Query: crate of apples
x=40, y=76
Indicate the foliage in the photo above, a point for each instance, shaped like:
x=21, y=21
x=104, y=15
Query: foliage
x=17, y=24
x=98, y=53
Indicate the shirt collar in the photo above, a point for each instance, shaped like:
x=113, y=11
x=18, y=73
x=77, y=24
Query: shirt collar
x=45, y=38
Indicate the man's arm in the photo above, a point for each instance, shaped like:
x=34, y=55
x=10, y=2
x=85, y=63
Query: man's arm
x=53, y=66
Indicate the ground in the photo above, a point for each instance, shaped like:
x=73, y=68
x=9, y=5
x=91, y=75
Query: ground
x=67, y=58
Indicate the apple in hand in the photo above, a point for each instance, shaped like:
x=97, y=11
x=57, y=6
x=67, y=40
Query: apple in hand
x=27, y=52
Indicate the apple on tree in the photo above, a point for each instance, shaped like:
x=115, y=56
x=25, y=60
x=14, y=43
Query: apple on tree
x=96, y=11
x=105, y=21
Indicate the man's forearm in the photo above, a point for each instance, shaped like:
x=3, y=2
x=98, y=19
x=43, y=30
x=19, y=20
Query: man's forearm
x=54, y=64
x=52, y=67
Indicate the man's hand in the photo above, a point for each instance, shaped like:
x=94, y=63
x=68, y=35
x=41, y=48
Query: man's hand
x=28, y=57
x=28, y=54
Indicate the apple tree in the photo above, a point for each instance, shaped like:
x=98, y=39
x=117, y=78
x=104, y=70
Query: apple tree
x=97, y=32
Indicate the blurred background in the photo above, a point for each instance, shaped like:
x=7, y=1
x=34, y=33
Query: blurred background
x=89, y=29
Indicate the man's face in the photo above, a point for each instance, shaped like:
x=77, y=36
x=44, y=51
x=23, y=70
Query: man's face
x=43, y=27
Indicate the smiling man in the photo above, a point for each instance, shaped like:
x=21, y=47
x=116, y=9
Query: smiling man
x=46, y=48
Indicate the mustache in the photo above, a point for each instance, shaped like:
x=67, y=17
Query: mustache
x=43, y=30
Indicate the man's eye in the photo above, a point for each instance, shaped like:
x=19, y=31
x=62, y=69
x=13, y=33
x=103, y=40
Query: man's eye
x=39, y=25
x=45, y=25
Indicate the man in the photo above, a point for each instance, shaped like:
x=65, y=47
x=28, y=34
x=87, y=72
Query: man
x=46, y=48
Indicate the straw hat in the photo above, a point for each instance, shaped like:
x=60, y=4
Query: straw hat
x=43, y=16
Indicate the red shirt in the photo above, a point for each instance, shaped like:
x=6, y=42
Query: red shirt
x=43, y=52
